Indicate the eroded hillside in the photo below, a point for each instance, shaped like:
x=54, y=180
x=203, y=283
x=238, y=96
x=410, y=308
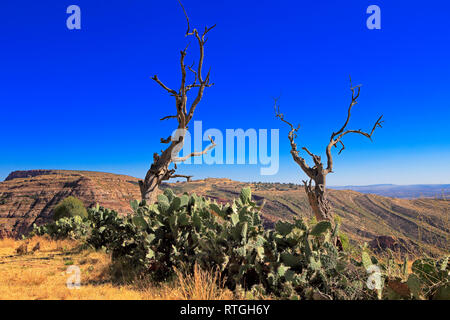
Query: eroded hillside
x=28, y=197
x=364, y=216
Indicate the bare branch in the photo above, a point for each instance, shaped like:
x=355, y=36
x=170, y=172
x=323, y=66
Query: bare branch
x=183, y=69
x=194, y=104
x=159, y=169
x=317, y=195
x=168, y=117
x=195, y=154
x=171, y=91
x=279, y=115
x=188, y=178
x=352, y=103
x=316, y=159
x=367, y=135
x=377, y=124
x=203, y=83
x=343, y=147
x=292, y=135
x=208, y=29
x=194, y=72
x=167, y=140
x=194, y=85
x=308, y=152
x=168, y=175
x=187, y=18
x=337, y=136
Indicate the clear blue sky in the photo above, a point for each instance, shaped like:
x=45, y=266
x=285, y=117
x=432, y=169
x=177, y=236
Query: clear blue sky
x=84, y=99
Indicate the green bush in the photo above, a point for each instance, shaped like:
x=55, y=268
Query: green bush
x=69, y=207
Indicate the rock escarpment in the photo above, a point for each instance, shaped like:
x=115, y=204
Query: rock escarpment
x=28, y=197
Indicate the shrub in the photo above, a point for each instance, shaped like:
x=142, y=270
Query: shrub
x=69, y=207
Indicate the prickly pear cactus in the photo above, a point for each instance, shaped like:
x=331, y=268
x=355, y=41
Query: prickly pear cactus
x=297, y=259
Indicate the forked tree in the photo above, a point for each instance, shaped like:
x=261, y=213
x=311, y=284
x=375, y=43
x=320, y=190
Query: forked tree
x=317, y=193
x=160, y=169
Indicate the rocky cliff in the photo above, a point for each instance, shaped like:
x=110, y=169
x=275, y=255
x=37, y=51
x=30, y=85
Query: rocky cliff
x=28, y=197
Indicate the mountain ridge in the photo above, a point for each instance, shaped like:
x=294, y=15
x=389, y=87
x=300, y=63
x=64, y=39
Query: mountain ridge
x=388, y=189
x=28, y=197
x=410, y=191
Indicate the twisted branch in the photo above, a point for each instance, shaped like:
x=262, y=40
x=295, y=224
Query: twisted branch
x=181, y=96
x=292, y=135
x=196, y=154
x=337, y=136
x=159, y=169
x=188, y=178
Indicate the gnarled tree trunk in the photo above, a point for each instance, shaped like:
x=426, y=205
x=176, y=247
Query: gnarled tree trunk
x=317, y=197
x=159, y=170
x=317, y=194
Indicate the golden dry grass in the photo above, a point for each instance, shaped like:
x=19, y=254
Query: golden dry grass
x=42, y=275
x=202, y=285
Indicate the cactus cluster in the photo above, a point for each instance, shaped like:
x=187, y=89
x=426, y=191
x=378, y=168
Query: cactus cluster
x=72, y=227
x=429, y=279
x=297, y=260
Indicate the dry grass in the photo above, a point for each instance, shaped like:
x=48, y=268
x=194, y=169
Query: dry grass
x=7, y=243
x=42, y=275
x=202, y=285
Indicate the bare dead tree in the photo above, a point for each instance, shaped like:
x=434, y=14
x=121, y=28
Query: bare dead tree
x=159, y=170
x=316, y=193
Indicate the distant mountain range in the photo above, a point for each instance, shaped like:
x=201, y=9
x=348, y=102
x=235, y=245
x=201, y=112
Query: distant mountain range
x=413, y=191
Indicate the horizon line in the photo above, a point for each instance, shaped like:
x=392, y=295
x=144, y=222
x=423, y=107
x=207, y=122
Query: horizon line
x=248, y=181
